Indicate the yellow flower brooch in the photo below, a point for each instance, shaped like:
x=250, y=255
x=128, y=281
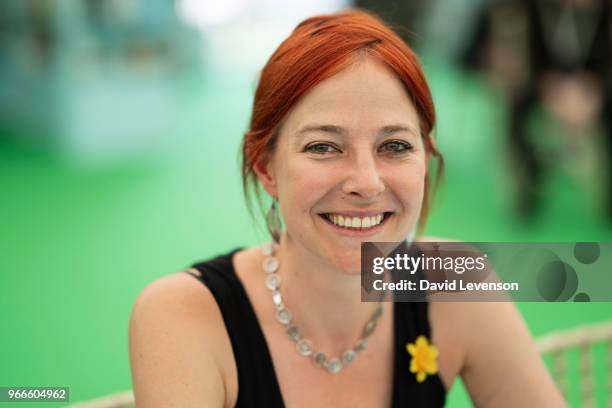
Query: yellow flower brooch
x=424, y=358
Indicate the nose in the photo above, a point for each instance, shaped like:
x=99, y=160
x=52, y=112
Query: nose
x=364, y=178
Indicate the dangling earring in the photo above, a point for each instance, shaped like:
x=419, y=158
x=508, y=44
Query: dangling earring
x=273, y=222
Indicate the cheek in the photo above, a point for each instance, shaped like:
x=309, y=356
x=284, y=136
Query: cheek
x=304, y=185
x=409, y=184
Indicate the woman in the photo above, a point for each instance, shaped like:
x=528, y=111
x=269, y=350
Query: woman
x=341, y=137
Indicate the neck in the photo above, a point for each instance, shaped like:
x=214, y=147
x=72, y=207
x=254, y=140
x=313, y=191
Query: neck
x=325, y=302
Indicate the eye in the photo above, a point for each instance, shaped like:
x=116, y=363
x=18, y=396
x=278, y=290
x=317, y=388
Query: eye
x=320, y=148
x=396, y=146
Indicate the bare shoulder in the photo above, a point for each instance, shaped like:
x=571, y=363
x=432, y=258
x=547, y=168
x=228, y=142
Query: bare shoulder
x=450, y=338
x=490, y=346
x=178, y=345
x=499, y=362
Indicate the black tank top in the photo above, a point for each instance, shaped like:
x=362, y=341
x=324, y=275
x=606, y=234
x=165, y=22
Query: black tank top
x=257, y=382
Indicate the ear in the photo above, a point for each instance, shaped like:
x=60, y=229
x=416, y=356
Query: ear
x=264, y=170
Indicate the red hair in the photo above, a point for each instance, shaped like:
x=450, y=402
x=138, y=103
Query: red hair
x=318, y=48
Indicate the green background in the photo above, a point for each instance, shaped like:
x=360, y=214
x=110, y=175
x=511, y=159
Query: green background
x=78, y=244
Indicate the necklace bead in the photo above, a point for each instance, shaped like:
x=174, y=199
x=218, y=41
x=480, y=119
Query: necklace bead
x=361, y=345
x=277, y=299
x=304, y=347
x=369, y=328
x=268, y=248
x=273, y=281
x=284, y=316
x=293, y=332
x=348, y=356
x=334, y=365
x=320, y=358
x=270, y=264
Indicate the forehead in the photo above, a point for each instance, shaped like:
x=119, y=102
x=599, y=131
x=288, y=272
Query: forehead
x=365, y=96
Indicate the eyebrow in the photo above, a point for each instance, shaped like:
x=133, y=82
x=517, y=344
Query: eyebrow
x=389, y=130
x=338, y=130
x=322, y=128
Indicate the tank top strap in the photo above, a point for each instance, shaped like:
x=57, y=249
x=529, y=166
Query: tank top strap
x=257, y=383
x=411, y=320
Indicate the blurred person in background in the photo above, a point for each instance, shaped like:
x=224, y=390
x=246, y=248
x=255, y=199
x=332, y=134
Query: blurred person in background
x=341, y=140
x=555, y=54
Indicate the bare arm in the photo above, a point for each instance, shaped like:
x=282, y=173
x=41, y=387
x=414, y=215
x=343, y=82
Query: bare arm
x=502, y=366
x=173, y=336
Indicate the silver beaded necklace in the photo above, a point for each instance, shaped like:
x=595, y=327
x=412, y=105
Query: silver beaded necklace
x=304, y=346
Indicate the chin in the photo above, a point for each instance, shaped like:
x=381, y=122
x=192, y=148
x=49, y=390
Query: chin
x=350, y=264
x=353, y=272
x=350, y=270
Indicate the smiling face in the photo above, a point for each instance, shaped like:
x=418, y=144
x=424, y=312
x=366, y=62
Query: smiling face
x=349, y=153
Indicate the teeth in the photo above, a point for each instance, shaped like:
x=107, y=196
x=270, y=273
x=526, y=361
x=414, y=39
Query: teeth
x=355, y=222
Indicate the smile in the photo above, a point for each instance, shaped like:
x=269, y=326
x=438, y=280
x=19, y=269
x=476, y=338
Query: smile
x=347, y=222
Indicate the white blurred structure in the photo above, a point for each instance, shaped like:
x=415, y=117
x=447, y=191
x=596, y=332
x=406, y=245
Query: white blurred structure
x=242, y=34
